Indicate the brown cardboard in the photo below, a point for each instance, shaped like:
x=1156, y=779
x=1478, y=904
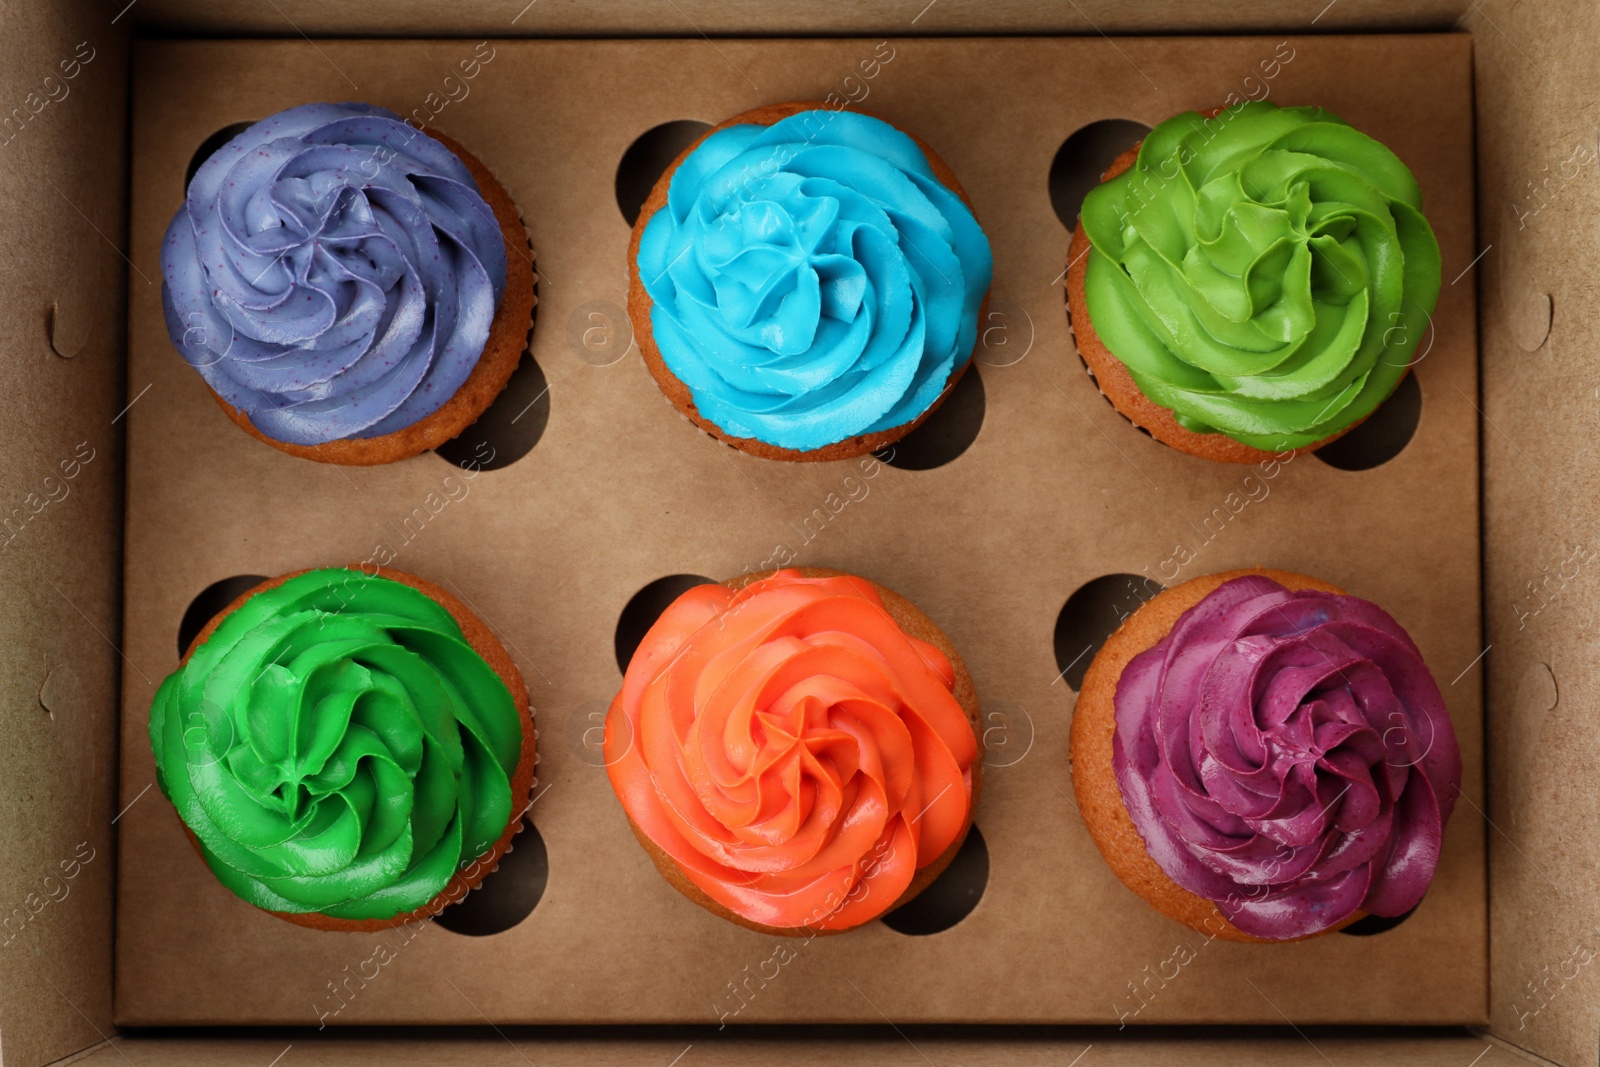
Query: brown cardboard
x=763, y=18
x=1532, y=83
x=514, y=1047
x=61, y=332
x=1056, y=490
x=1537, y=208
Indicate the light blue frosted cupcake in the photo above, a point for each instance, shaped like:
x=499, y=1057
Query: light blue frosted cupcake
x=806, y=283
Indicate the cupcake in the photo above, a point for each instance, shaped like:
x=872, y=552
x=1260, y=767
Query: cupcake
x=1263, y=757
x=351, y=289
x=806, y=283
x=1252, y=281
x=346, y=750
x=798, y=751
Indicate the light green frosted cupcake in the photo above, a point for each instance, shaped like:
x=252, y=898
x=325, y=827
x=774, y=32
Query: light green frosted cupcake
x=1252, y=281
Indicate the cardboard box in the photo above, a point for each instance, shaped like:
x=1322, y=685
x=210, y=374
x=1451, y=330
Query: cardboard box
x=551, y=547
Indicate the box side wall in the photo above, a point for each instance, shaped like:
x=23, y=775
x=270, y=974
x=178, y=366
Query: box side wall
x=1538, y=103
x=691, y=18
x=54, y=659
x=783, y=1047
x=63, y=98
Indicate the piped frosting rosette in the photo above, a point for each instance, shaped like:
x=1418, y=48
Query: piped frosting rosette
x=791, y=750
x=1288, y=756
x=812, y=280
x=1266, y=273
x=337, y=746
x=333, y=273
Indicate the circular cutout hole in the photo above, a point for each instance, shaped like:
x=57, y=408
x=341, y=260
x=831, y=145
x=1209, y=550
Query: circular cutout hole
x=1368, y=925
x=648, y=158
x=645, y=607
x=1384, y=434
x=1093, y=614
x=509, y=427
x=947, y=433
x=211, y=600
x=209, y=146
x=950, y=897
x=1083, y=157
x=508, y=894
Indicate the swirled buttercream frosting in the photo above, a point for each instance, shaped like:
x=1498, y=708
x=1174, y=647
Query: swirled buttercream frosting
x=1287, y=756
x=332, y=273
x=1266, y=273
x=336, y=746
x=812, y=280
x=792, y=751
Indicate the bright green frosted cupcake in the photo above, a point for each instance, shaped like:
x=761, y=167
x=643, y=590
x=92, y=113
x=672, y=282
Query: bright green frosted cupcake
x=1252, y=281
x=347, y=751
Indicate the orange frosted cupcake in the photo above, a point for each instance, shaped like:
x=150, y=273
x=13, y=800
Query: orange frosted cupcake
x=796, y=751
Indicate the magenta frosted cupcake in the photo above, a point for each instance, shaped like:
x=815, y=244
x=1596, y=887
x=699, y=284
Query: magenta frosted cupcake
x=1265, y=758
